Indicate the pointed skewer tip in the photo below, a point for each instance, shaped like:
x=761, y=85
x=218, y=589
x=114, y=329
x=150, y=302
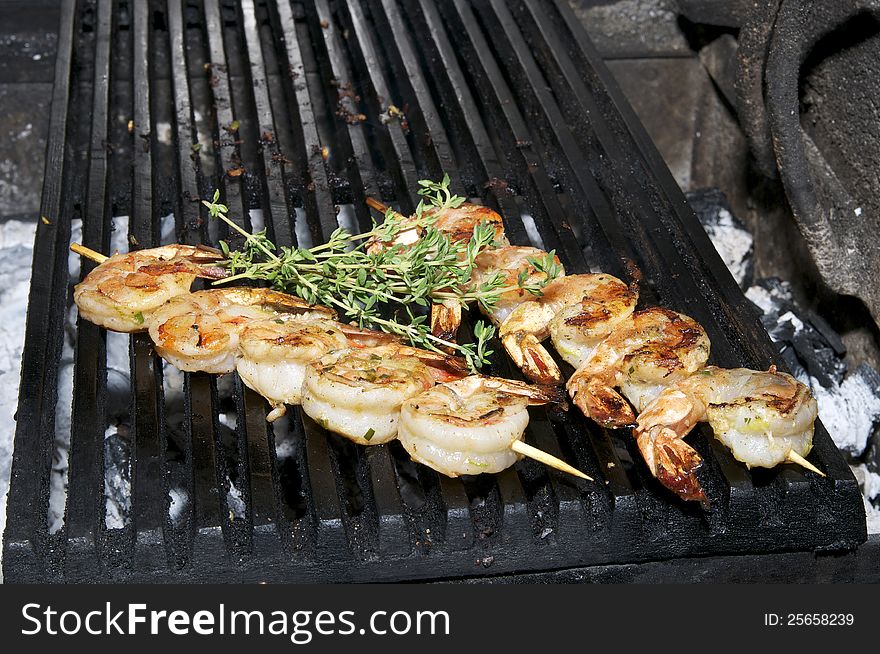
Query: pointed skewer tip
x=794, y=457
x=548, y=459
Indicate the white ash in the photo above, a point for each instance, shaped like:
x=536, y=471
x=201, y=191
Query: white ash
x=163, y=132
x=733, y=244
x=765, y=299
x=872, y=514
x=869, y=482
x=849, y=411
x=234, y=501
x=119, y=234
x=796, y=323
x=16, y=254
x=179, y=500
x=167, y=229
x=117, y=478
x=258, y=222
x=345, y=216
x=64, y=401
x=63, y=412
x=285, y=440
x=532, y=231
x=732, y=241
x=301, y=229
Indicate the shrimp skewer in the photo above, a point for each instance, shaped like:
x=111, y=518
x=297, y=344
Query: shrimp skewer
x=655, y=348
x=124, y=290
x=361, y=394
x=473, y=425
x=274, y=352
x=765, y=418
x=200, y=331
x=600, y=301
x=357, y=393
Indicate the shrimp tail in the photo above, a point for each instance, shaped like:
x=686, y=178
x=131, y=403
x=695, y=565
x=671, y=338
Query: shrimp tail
x=532, y=358
x=536, y=393
x=445, y=320
x=602, y=403
x=554, y=393
x=673, y=462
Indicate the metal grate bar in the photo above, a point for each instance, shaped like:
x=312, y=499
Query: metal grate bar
x=326, y=506
x=446, y=65
x=85, y=508
x=315, y=186
x=189, y=212
x=200, y=422
x=32, y=455
x=226, y=130
x=148, y=429
x=361, y=171
x=426, y=124
x=511, y=100
x=383, y=102
x=271, y=184
x=546, y=207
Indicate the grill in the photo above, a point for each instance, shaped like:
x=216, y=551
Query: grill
x=297, y=112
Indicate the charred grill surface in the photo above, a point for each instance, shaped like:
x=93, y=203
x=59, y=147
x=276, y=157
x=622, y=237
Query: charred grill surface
x=302, y=110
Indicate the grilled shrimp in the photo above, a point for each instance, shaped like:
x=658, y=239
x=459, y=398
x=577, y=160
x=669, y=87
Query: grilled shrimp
x=509, y=262
x=357, y=393
x=529, y=323
x=765, y=418
x=200, y=331
x=121, y=293
x=577, y=329
x=468, y=426
x=274, y=352
x=654, y=349
x=458, y=223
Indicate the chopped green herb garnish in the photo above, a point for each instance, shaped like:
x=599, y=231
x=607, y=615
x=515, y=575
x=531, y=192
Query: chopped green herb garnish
x=369, y=435
x=138, y=318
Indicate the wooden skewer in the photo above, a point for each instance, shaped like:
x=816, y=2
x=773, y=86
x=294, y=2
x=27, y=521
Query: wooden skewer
x=540, y=455
x=794, y=457
x=381, y=207
x=373, y=203
x=88, y=253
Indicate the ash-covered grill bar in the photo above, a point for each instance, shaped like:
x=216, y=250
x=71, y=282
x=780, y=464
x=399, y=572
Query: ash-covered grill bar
x=301, y=111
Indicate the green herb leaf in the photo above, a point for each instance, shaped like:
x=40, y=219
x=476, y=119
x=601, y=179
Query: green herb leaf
x=366, y=286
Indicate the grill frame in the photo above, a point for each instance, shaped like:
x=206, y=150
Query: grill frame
x=510, y=108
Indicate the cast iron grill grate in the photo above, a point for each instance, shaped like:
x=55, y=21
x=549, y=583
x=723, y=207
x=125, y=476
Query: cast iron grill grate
x=300, y=110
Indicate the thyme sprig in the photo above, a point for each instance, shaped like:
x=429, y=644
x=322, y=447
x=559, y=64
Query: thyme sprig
x=361, y=282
